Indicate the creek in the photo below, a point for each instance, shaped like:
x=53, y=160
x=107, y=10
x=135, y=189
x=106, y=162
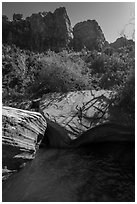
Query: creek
x=103, y=172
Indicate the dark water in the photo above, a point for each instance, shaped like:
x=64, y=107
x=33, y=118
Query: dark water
x=99, y=173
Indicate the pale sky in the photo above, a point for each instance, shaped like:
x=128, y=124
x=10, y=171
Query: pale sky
x=111, y=16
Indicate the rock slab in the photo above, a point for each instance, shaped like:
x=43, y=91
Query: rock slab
x=77, y=111
x=22, y=132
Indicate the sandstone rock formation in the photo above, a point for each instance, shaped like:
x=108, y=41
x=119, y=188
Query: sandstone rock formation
x=77, y=111
x=88, y=34
x=70, y=121
x=46, y=30
x=22, y=132
x=39, y=32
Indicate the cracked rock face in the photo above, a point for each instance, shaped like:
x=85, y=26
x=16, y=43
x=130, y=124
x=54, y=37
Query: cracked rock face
x=88, y=34
x=22, y=132
x=39, y=32
x=46, y=30
x=77, y=111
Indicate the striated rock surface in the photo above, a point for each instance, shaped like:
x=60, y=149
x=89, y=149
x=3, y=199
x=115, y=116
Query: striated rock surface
x=88, y=34
x=39, y=32
x=22, y=132
x=77, y=111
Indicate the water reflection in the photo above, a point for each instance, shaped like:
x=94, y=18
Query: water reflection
x=103, y=172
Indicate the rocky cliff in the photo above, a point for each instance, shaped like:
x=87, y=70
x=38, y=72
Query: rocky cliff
x=46, y=30
x=88, y=34
x=40, y=31
x=122, y=42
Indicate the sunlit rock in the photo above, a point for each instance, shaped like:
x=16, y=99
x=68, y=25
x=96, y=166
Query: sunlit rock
x=77, y=111
x=22, y=132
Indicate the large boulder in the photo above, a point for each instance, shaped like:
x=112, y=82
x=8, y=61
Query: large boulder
x=77, y=111
x=39, y=32
x=22, y=133
x=88, y=34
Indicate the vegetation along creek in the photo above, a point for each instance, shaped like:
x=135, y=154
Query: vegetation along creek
x=68, y=105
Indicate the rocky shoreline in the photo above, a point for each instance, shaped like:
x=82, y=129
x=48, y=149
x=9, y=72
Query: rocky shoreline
x=24, y=131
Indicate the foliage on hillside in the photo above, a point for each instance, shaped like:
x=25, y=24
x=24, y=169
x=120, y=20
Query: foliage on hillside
x=27, y=75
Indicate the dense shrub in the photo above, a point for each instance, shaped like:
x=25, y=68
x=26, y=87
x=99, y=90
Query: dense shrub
x=27, y=75
x=126, y=93
x=60, y=73
x=30, y=74
x=111, y=70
